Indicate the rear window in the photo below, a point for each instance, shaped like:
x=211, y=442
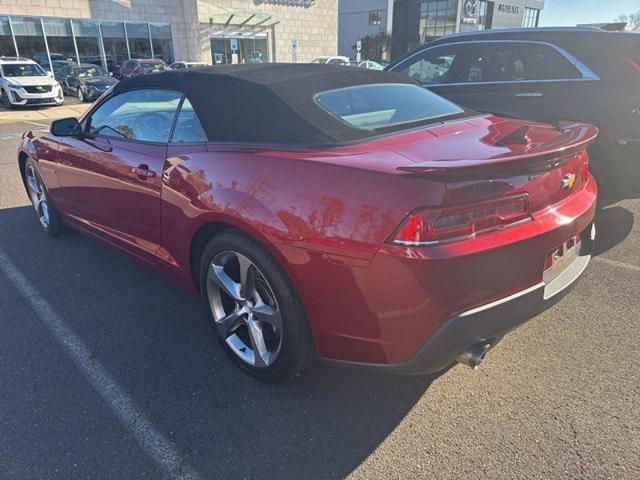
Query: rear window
x=373, y=107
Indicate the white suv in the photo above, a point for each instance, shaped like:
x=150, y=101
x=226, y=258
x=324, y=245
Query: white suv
x=24, y=82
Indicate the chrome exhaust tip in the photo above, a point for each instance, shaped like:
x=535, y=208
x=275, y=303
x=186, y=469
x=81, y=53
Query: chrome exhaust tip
x=473, y=356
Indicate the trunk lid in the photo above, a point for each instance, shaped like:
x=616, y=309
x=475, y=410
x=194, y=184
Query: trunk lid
x=500, y=157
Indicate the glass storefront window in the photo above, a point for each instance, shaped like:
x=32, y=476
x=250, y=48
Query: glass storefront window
x=30, y=40
x=220, y=51
x=7, y=48
x=437, y=18
x=115, y=44
x=100, y=42
x=161, y=40
x=60, y=41
x=251, y=50
x=138, y=35
x=88, y=42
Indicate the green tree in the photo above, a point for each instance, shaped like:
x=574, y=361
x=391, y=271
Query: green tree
x=376, y=47
x=633, y=21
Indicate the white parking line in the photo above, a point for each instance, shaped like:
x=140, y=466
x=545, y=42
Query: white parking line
x=615, y=263
x=161, y=450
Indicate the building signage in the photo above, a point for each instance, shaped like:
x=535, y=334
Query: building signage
x=233, y=44
x=470, y=12
x=506, y=8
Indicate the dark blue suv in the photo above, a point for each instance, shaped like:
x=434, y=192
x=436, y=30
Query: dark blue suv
x=547, y=74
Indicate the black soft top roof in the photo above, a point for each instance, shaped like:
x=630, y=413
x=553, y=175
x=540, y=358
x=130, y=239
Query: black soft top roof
x=269, y=102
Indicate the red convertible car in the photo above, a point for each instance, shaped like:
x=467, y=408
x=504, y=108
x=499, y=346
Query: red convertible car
x=324, y=211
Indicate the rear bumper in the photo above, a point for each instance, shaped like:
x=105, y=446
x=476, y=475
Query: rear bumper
x=490, y=322
x=399, y=310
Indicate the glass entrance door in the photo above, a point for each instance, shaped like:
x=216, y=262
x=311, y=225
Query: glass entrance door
x=250, y=49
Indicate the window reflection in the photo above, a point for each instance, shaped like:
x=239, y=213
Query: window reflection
x=115, y=44
x=86, y=32
x=161, y=40
x=60, y=41
x=30, y=40
x=139, y=44
x=100, y=42
x=437, y=18
x=7, y=47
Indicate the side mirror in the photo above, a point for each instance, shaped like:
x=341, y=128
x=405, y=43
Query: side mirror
x=66, y=127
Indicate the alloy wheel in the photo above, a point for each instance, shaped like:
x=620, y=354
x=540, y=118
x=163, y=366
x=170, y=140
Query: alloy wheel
x=244, y=308
x=80, y=95
x=38, y=195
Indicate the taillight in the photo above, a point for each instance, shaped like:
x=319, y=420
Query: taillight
x=635, y=65
x=432, y=226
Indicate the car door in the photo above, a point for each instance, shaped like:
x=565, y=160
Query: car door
x=524, y=79
x=70, y=78
x=111, y=174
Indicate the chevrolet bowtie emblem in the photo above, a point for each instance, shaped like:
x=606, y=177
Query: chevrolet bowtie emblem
x=568, y=181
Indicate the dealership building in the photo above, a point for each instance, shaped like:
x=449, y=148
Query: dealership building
x=107, y=32
x=414, y=22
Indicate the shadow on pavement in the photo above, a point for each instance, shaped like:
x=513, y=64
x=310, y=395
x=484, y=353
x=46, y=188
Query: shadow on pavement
x=154, y=339
x=613, y=224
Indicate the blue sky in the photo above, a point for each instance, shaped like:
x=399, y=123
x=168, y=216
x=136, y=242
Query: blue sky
x=572, y=12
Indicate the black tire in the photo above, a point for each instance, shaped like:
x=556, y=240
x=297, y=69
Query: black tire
x=54, y=226
x=297, y=349
x=5, y=101
x=609, y=169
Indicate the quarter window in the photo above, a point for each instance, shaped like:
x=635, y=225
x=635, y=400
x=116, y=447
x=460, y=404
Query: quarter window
x=188, y=128
x=140, y=115
x=514, y=62
x=432, y=66
x=380, y=106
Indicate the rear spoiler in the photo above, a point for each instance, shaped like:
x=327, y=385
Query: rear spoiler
x=531, y=157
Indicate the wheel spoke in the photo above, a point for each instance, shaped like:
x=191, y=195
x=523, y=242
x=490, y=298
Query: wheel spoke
x=33, y=183
x=247, y=277
x=228, y=324
x=258, y=345
x=218, y=276
x=268, y=314
x=43, y=210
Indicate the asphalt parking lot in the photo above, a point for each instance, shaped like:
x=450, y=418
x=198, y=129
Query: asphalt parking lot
x=108, y=370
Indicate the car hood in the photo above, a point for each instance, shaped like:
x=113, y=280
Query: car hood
x=97, y=81
x=30, y=81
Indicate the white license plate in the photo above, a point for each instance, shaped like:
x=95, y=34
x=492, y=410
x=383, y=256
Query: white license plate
x=562, y=257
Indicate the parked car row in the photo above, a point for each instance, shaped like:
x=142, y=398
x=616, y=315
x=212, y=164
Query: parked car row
x=29, y=82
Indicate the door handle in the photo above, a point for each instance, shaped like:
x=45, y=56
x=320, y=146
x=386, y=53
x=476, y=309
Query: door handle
x=143, y=172
x=530, y=95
